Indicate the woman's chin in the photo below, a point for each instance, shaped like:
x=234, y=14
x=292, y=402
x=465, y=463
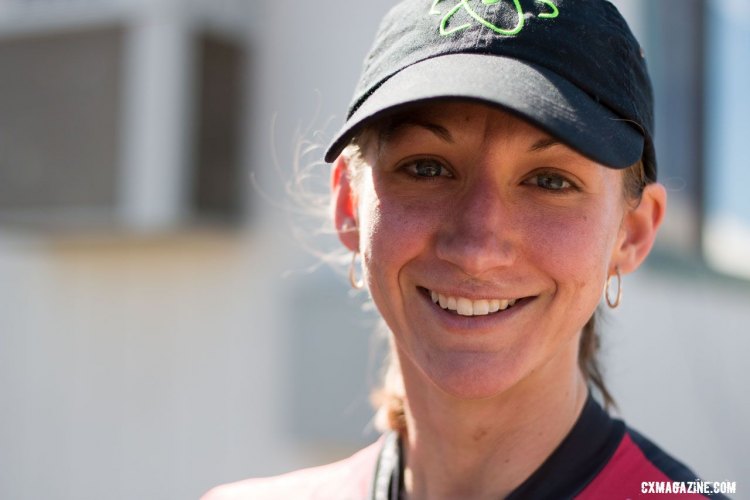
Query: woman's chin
x=473, y=375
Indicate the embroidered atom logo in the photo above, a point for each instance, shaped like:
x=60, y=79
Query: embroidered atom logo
x=465, y=4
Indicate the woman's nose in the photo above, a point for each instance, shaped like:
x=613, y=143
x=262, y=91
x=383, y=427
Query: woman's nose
x=478, y=235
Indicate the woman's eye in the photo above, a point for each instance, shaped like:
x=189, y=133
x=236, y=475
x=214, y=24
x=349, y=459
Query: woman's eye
x=550, y=182
x=426, y=168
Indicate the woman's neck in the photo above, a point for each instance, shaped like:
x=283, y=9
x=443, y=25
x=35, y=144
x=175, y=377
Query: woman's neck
x=486, y=448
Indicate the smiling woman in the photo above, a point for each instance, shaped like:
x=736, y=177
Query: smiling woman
x=497, y=183
x=474, y=172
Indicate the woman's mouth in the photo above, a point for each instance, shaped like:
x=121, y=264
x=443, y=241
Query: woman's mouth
x=464, y=306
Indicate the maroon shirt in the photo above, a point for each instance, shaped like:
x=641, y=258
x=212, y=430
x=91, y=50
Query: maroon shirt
x=600, y=458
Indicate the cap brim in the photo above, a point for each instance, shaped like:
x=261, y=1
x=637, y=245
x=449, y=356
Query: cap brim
x=534, y=93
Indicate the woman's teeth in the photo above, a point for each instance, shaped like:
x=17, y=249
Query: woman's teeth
x=468, y=307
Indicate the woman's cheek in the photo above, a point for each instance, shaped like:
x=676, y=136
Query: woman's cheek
x=388, y=242
x=398, y=228
x=398, y=211
x=571, y=243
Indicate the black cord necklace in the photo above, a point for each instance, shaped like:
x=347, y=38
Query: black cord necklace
x=388, y=482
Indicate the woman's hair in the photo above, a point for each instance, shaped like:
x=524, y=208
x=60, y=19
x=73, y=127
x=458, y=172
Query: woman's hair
x=389, y=398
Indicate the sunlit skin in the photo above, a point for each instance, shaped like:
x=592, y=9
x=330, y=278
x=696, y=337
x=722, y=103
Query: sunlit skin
x=469, y=201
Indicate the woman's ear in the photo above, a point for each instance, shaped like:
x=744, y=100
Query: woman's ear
x=344, y=204
x=639, y=228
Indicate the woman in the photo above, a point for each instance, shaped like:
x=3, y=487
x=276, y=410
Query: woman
x=496, y=172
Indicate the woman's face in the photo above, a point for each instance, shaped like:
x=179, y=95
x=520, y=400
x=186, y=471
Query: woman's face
x=485, y=243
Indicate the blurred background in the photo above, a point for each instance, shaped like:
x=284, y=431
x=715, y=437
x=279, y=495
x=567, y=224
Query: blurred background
x=162, y=328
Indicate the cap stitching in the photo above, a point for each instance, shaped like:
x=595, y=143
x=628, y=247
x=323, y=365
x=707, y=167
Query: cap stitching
x=464, y=4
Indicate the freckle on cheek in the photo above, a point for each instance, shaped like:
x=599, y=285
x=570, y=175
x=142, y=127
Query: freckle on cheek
x=479, y=434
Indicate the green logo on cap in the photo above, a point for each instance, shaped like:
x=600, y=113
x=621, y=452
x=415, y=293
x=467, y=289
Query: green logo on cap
x=464, y=4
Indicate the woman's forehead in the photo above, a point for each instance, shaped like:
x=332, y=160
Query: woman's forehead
x=452, y=120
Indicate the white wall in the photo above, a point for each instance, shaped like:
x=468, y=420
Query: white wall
x=127, y=366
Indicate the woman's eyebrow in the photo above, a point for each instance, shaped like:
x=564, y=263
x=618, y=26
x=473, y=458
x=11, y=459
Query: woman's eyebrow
x=544, y=143
x=393, y=127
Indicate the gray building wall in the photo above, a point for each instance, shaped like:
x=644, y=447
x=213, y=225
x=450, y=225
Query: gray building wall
x=159, y=359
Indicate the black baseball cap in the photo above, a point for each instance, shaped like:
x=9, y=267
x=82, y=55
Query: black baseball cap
x=571, y=67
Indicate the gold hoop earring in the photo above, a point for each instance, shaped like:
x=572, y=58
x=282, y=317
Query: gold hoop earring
x=613, y=304
x=357, y=284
